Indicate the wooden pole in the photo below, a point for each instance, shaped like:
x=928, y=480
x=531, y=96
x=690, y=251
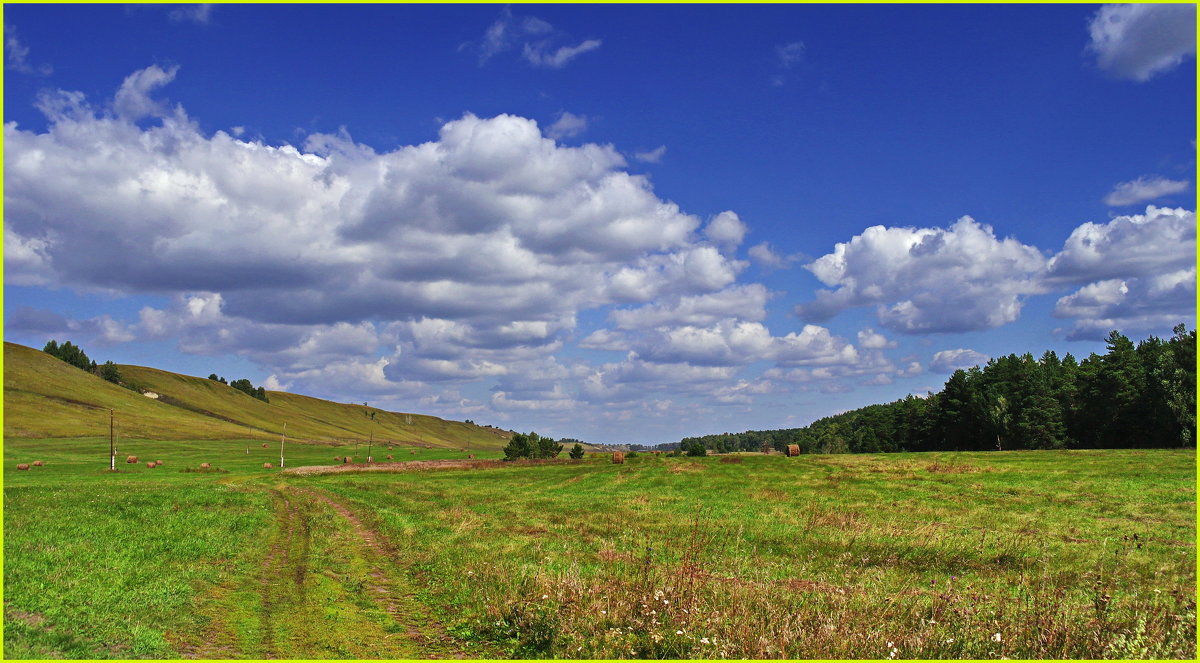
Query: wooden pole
x=281, y=439
x=112, y=445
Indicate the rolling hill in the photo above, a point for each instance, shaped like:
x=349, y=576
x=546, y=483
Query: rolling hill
x=45, y=397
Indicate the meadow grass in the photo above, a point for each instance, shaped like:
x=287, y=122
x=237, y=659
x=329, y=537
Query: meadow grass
x=971, y=555
x=1074, y=554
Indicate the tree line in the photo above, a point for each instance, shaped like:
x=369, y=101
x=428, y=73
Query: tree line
x=1133, y=396
x=244, y=386
x=75, y=356
x=532, y=445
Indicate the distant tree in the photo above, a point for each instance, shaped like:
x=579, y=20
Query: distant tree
x=548, y=448
x=695, y=448
x=110, y=372
x=70, y=353
x=213, y=377
x=518, y=447
x=246, y=387
x=577, y=451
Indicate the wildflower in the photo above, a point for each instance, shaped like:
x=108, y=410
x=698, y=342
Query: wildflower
x=678, y=632
x=604, y=612
x=949, y=640
x=545, y=596
x=890, y=643
x=995, y=637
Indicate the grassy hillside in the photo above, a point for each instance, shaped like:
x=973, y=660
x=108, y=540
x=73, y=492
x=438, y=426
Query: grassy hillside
x=45, y=397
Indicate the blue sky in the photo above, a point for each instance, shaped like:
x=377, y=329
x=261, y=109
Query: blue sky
x=616, y=223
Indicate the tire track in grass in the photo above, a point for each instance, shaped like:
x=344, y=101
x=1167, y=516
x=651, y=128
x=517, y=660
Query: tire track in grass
x=397, y=600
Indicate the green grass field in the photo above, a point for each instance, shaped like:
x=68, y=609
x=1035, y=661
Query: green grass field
x=1073, y=554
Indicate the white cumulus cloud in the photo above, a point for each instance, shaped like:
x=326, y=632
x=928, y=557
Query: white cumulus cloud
x=1140, y=41
x=928, y=279
x=948, y=361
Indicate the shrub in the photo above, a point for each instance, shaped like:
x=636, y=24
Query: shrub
x=109, y=371
x=576, y=451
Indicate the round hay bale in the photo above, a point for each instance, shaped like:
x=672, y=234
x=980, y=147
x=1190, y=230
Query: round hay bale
x=158, y=462
x=267, y=466
x=618, y=458
x=205, y=466
x=389, y=456
x=264, y=445
x=346, y=459
x=38, y=463
x=23, y=466
x=151, y=464
x=337, y=459
x=793, y=450
x=131, y=459
x=471, y=456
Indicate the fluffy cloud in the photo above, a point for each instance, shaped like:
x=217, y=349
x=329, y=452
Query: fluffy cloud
x=1143, y=189
x=491, y=222
x=948, y=361
x=928, y=279
x=725, y=230
x=1140, y=41
x=1158, y=241
x=1131, y=305
x=746, y=302
x=38, y=323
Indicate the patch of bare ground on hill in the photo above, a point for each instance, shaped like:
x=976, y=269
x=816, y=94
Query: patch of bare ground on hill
x=418, y=465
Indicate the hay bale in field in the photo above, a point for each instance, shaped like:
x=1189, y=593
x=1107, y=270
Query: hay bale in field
x=267, y=466
x=337, y=459
x=205, y=466
x=131, y=459
x=389, y=456
x=150, y=464
x=264, y=445
x=471, y=456
x=793, y=450
x=346, y=459
x=23, y=466
x=38, y=463
x=158, y=462
x=618, y=458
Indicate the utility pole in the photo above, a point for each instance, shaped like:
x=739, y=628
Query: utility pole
x=281, y=439
x=112, y=445
x=371, y=437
